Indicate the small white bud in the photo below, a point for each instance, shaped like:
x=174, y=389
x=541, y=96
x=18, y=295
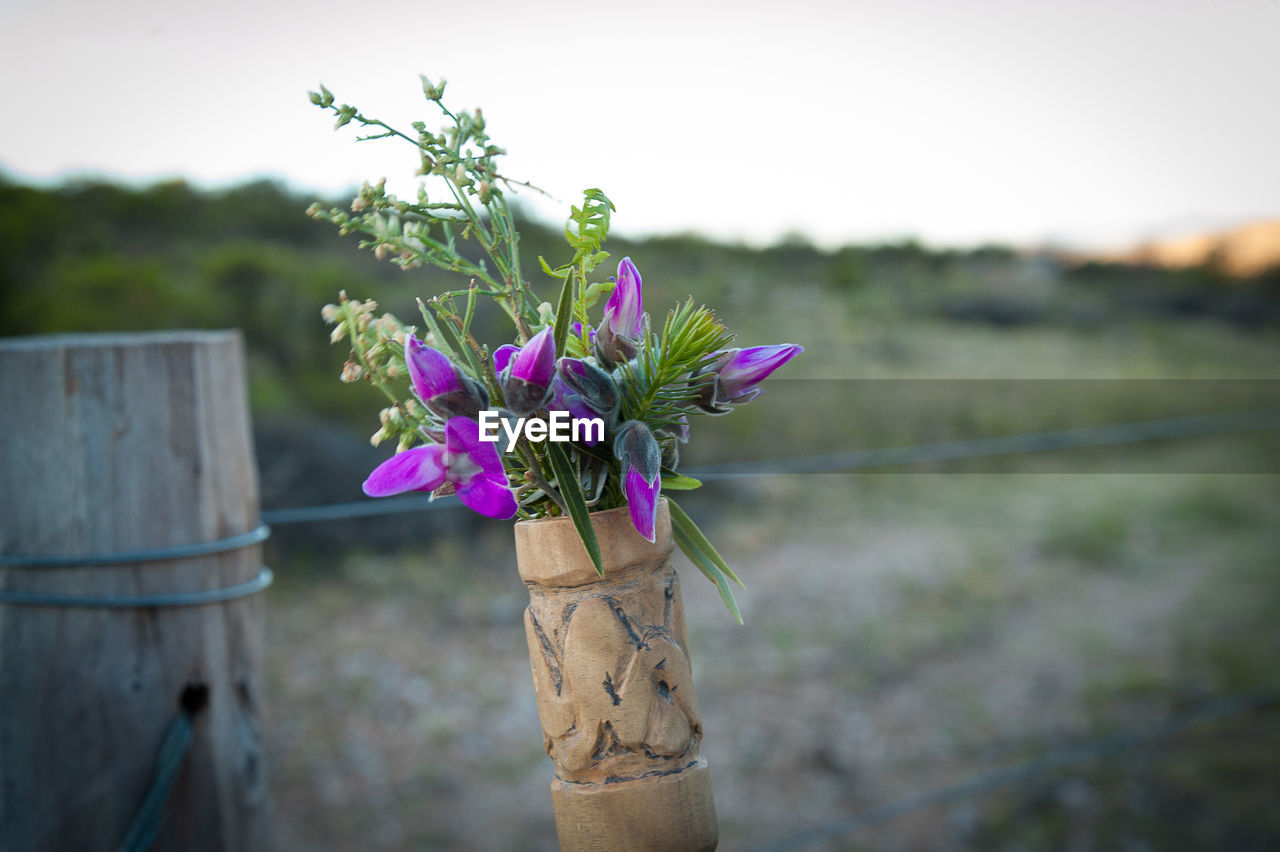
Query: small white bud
x=352, y=372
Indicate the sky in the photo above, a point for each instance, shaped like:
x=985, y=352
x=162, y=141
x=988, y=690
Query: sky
x=1079, y=124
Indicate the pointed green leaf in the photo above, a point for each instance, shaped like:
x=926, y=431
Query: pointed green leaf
x=672, y=481
x=447, y=337
x=575, y=501
x=678, y=516
x=447, y=343
x=704, y=556
x=595, y=291
x=546, y=267
x=564, y=315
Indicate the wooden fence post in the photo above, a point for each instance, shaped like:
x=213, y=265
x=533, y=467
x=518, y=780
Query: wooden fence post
x=116, y=444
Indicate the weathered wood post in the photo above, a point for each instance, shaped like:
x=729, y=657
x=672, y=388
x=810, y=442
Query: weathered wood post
x=113, y=445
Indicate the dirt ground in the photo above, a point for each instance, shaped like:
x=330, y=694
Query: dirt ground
x=903, y=632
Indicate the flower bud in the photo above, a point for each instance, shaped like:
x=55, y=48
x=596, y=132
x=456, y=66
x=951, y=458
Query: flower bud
x=526, y=373
x=594, y=386
x=351, y=372
x=738, y=372
x=563, y=398
x=441, y=386
x=670, y=454
x=641, y=459
x=625, y=323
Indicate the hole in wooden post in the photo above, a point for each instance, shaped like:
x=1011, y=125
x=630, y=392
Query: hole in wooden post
x=194, y=698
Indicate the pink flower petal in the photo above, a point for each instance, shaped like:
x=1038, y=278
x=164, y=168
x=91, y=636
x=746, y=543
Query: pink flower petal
x=642, y=500
x=462, y=437
x=430, y=372
x=746, y=368
x=419, y=469
x=502, y=356
x=623, y=312
x=487, y=497
x=536, y=361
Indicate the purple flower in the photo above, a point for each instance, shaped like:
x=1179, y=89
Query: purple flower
x=536, y=360
x=737, y=373
x=472, y=466
x=430, y=372
x=624, y=312
x=502, y=356
x=525, y=372
x=563, y=398
x=441, y=386
x=593, y=386
x=749, y=367
x=625, y=322
x=641, y=459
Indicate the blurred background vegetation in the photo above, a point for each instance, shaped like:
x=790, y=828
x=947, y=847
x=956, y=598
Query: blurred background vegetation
x=903, y=628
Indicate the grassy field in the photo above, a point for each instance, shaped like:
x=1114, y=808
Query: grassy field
x=905, y=630
x=907, y=626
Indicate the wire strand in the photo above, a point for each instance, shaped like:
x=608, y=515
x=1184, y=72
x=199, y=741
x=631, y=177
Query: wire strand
x=845, y=462
x=1033, y=769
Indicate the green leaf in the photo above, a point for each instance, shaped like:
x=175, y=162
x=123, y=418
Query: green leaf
x=672, y=481
x=564, y=315
x=575, y=501
x=595, y=291
x=554, y=273
x=702, y=554
x=447, y=343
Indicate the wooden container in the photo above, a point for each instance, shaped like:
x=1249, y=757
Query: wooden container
x=117, y=444
x=614, y=687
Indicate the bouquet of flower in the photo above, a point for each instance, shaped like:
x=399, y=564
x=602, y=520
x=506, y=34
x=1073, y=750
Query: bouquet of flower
x=582, y=412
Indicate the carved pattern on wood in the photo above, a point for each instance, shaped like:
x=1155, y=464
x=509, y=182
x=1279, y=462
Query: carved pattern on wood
x=612, y=676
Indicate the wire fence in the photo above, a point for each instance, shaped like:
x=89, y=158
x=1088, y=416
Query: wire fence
x=1117, y=434
x=1029, y=771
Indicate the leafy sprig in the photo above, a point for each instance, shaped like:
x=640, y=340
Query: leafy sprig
x=462, y=202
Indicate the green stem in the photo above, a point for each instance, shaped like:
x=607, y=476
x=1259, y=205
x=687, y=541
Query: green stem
x=534, y=473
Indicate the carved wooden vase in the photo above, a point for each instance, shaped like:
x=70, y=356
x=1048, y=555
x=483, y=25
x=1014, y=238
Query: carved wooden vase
x=614, y=686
